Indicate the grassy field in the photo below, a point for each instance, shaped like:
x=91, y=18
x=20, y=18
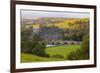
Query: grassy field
x=63, y=50
x=34, y=58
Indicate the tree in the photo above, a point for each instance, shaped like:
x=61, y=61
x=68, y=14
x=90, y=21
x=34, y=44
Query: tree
x=83, y=52
x=39, y=46
x=32, y=43
x=26, y=44
x=85, y=46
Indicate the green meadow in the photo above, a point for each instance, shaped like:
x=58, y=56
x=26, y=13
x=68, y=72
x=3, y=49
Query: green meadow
x=57, y=53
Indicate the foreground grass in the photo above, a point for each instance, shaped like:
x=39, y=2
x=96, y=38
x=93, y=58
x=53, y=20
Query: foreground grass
x=34, y=58
x=63, y=50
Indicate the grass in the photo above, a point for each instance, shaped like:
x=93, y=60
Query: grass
x=63, y=50
x=33, y=58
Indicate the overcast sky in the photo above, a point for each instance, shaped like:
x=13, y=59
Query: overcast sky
x=31, y=14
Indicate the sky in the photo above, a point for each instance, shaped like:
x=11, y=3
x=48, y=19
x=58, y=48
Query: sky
x=34, y=14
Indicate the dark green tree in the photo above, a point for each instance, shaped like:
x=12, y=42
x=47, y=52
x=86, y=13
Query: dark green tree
x=83, y=52
x=32, y=43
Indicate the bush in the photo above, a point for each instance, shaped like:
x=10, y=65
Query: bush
x=71, y=56
x=57, y=56
x=74, y=55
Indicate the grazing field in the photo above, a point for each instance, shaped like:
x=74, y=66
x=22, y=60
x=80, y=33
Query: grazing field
x=57, y=53
x=63, y=50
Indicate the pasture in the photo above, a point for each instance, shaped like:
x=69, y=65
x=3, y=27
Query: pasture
x=56, y=53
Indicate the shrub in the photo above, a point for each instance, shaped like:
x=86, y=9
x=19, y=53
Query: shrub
x=74, y=55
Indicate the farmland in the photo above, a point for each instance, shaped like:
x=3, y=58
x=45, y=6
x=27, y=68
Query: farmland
x=61, y=51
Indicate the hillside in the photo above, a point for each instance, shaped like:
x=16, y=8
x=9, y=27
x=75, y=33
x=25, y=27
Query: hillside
x=63, y=23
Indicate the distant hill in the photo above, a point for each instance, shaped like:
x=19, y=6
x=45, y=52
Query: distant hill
x=59, y=22
x=63, y=23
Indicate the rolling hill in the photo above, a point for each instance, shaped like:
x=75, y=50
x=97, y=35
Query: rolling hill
x=63, y=23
